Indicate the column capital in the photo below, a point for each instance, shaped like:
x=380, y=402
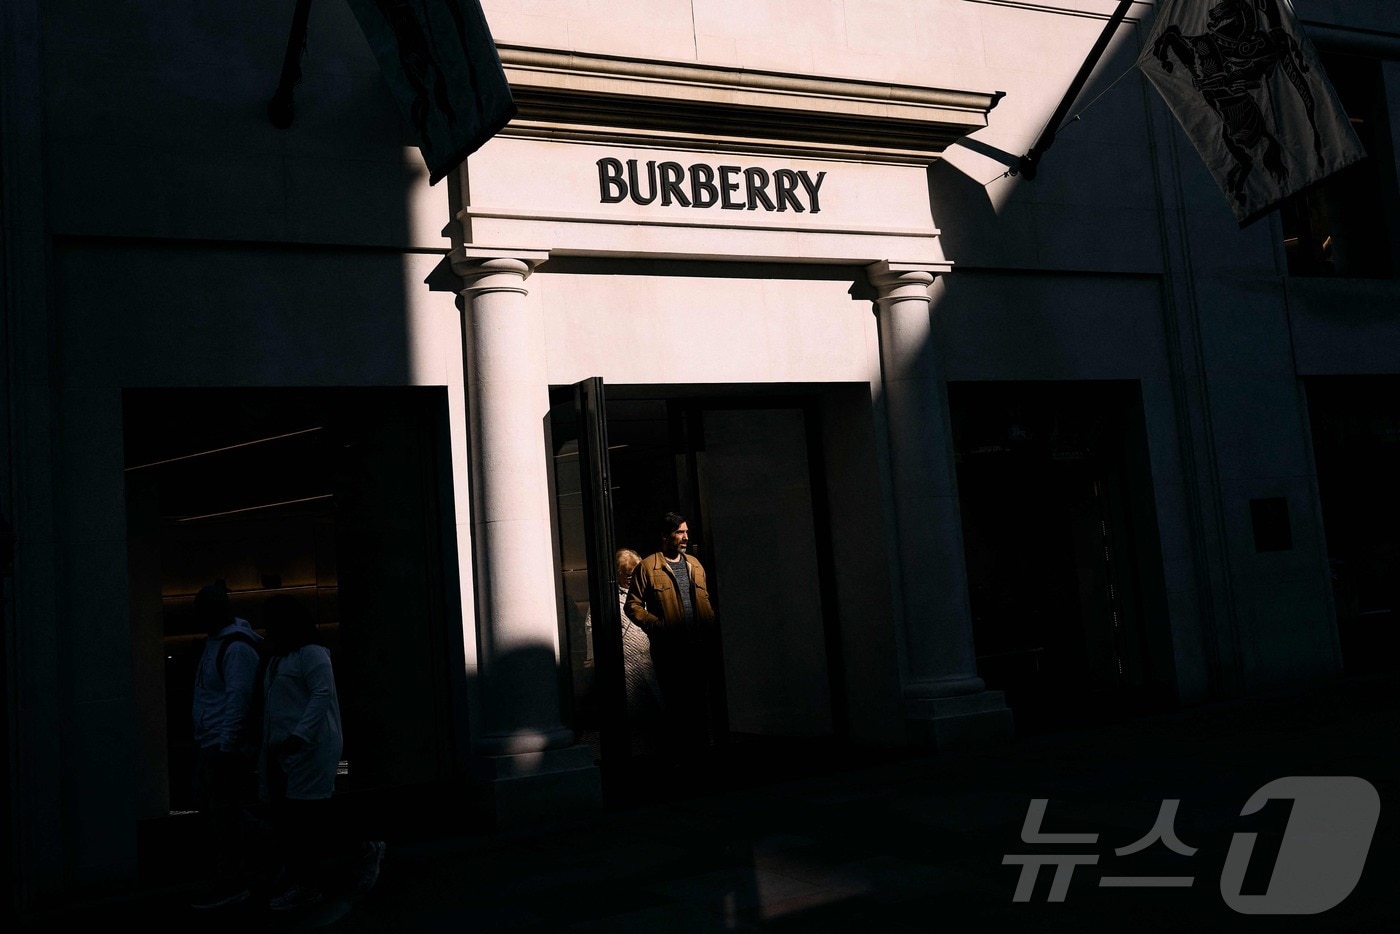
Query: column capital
x=488, y=269
x=903, y=280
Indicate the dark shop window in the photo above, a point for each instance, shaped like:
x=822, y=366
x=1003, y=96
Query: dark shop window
x=1339, y=226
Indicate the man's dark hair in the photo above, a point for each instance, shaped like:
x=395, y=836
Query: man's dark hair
x=670, y=522
x=289, y=624
x=212, y=607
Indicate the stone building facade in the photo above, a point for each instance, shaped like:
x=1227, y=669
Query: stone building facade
x=967, y=455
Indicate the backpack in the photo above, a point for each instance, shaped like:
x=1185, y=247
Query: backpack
x=253, y=719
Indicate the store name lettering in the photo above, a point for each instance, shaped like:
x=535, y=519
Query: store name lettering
x=730, y=187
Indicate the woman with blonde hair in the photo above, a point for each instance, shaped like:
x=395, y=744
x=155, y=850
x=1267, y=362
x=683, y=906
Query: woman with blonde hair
x=643, y=693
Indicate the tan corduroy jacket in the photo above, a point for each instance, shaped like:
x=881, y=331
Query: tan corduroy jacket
x=652, y=600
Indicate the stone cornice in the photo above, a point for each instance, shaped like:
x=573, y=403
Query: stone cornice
x=598, y=98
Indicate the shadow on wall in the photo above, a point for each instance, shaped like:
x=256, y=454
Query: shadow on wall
x=975, y=237
x=970, y=228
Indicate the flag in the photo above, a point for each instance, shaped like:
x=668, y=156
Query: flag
x=441, y=64
x=1247, y=86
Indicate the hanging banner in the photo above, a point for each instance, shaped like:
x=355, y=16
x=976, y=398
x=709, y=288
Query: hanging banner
x=1247, y=86
x=441, y=64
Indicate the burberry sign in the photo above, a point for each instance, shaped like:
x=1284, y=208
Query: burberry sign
x=699, y=185
x=609, y=199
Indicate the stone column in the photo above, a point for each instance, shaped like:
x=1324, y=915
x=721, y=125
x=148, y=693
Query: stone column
x=945, y=701
x=526, y=758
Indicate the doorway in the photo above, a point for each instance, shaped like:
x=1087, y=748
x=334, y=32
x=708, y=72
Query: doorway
x=1059, y=531
x=1355, y=424
x=745, y=471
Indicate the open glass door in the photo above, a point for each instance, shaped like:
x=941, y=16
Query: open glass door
x=605, y=611
x=592, y=628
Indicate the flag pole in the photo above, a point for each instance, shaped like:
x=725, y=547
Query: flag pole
x=1028, y=164
x=281, y=108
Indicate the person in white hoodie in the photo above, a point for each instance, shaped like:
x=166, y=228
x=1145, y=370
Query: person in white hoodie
x=224, y=776
x=300, y=755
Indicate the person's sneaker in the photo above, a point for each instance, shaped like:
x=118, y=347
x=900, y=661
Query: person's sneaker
x=298, y=896
x=223, y=898
x=369, y=870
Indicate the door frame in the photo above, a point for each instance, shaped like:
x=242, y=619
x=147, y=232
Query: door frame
x=684, y=411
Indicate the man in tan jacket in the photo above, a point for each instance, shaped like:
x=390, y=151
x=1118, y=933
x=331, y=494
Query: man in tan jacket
x=669, y=599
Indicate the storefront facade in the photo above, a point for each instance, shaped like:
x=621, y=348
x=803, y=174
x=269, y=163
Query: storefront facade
x=964, y=454
x=684, y=264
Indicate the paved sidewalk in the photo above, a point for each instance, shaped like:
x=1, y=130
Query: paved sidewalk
x=910, y=845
